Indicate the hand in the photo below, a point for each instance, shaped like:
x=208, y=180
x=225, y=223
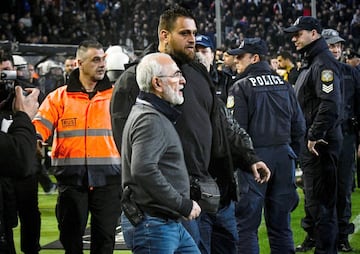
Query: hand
x=195, y=211
x=261, y=172
x=40, y=149
x=28, y=104
x=311, y=145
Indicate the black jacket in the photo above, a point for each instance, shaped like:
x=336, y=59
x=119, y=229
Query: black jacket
x=231, y=146
x=17, y=146
x=351, y=97
x=18, y=151
x=319, y=92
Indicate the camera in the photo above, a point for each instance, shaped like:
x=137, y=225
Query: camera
x=8, y=75
x=8, y=81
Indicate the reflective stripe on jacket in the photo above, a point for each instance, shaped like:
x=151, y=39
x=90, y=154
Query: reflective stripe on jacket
x=83, y=141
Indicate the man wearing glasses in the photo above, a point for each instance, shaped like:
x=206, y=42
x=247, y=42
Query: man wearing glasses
x=159, y=182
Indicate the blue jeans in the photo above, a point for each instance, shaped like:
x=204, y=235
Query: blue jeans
x=156, y=235
x=218, y=231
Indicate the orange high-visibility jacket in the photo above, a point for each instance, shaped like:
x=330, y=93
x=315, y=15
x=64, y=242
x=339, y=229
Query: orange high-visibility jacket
x=83, y=144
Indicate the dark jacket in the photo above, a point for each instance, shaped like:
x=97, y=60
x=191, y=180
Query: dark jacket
x=17, y=146
x=226, y=79
x=319, y=92
x=159, y=180
x=266, y=107
x=230, y=146
x=351, y=97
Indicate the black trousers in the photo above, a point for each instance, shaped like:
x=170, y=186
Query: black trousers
x=320, y=188
x=72, y=210
x=29, y=214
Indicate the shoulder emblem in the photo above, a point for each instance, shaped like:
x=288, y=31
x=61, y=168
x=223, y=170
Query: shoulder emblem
x=327, y=76
x=230, y=102
x=327, y=88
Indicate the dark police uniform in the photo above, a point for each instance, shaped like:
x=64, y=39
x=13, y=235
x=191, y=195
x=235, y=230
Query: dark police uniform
x=318, y=90
x=346, y=166
x=266, y=107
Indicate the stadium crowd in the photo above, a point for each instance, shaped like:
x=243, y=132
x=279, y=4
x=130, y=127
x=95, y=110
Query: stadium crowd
x=134, y=23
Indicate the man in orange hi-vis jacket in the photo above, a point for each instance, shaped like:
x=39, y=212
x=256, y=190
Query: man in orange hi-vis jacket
x=86, y=160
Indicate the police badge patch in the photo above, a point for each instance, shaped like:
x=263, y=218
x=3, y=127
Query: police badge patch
x=230, y=102
x=327, y=76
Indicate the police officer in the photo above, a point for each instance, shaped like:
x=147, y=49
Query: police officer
x=346, y=166
x=319, y=93
x=266, y=107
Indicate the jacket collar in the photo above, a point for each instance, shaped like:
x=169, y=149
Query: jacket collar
x=313, y=49
x=74, y=84
x=256, y=68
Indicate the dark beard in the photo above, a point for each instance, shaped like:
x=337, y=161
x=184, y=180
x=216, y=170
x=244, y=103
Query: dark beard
x=180, y=56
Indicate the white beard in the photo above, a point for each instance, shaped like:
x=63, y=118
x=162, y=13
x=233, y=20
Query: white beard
x=171, y=96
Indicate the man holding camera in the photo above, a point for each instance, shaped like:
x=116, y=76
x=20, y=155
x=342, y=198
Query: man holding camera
x=17, y=146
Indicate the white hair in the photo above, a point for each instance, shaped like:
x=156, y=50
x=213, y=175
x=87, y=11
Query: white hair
x=149, y=67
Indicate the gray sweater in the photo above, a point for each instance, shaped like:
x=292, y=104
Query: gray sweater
x=153, y=164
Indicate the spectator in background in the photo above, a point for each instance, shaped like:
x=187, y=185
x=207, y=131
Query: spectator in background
x=355, y=24
x=74, y=20
x=274, y=64
x=286, y=63
x=34, y=76
x=70, y=65
x=219, y=58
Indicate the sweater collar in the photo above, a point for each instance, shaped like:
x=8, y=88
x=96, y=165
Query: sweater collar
x=160, y=105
